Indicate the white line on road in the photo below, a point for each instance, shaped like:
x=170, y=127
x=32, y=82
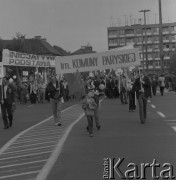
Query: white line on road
x=161, y=114
x=53, y=158
x=21, y=174
x=23, y=132
x=19, y=164
x=26, y=155
x=30, y=149
x=153, y=106
x=170, y=120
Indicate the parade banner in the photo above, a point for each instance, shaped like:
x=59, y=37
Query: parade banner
x=98, y=61
x=12, y=58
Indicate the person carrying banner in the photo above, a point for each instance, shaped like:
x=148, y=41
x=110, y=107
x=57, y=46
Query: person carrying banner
x=7, y=99
x=142, y=86
x=55, y=91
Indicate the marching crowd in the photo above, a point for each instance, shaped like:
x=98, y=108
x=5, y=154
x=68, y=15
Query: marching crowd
x=139, y=87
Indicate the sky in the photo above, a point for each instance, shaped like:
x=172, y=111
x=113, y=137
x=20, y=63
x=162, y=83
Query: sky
x=71, y=24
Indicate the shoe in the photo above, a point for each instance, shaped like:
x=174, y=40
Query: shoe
x=59, y=124
x=98, y=127
x=6, y=127
x=130, y=110
x=91, y=135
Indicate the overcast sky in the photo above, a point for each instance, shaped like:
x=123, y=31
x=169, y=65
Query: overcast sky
x=71, y=24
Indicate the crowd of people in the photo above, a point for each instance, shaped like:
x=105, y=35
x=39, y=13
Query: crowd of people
x=138, y=87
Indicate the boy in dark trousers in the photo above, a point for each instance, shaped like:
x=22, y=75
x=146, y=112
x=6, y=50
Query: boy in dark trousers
x=89, y=106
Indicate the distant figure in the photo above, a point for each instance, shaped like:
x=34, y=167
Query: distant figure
x=161, y=81
x=154, y=85
x=7, y=100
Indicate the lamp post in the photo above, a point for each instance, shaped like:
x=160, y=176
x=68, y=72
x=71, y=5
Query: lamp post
x=161, y=38
x=144, y=11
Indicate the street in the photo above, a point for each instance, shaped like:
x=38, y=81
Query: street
x=69, y=153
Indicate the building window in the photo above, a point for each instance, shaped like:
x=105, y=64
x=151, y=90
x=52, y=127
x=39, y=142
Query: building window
x=165, y=46
x=165, y=37
x=112, y=32
x=122, y=41
x=149, y=38
x=156, y=46
x=129, y=31
x=173, y=37
x=150, y=46
x=139, y=39
x=138, y=31
x=165, y=29
x=172, y=28
x=130, y=40
x=113, y=41
x=156, y=38
x=148, y=30
x=122, y=32
x=155, y=30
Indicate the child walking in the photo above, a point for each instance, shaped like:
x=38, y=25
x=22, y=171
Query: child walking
x=89, y=106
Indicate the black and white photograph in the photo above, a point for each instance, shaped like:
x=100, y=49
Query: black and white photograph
x=87, y=89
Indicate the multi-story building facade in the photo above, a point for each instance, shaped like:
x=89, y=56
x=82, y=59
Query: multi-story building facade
x=122, y=36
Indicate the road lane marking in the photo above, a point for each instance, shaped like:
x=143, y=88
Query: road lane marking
x=54, y=156
x=170, y=120
x=161, y=114
x=153, y=106
x=26, y=130
x=14, y=147
x=20, y=174
x=19, y=164
x=26, y=155
x=30, y=149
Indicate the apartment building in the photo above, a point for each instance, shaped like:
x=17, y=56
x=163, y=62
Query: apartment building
x=121, y=36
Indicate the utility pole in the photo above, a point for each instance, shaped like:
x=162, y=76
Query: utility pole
x=161, y=38
x=144, y=11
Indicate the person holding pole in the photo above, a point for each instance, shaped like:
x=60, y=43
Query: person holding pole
x=142, y=86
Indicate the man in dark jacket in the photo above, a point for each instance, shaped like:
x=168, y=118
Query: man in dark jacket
x=7, y=100
x=142, y=86
x=55, y=91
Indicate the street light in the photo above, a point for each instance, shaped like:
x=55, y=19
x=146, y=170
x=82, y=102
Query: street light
x=161, y=37
x=144, y=11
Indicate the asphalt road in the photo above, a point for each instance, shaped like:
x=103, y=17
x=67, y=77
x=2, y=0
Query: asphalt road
x=122, y=136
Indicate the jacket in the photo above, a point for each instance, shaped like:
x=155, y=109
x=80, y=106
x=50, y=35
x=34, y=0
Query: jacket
x=53, y=93
x=10, y=94
x=147, y=87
